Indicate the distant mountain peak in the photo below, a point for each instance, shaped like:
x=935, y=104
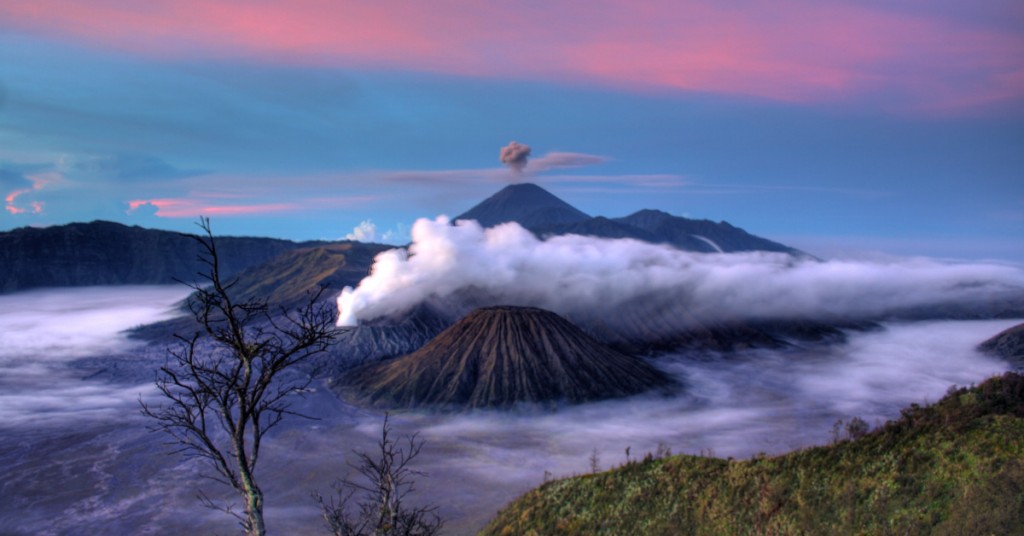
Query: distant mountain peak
x=526, y=204
x=649, y=212
x=530, y=187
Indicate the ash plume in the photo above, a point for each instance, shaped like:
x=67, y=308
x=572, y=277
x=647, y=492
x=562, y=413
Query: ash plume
x=612, y=283
x=515, y=155
x=560, y=160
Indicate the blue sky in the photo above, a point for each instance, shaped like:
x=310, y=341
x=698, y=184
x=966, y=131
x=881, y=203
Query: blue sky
x=872, y=142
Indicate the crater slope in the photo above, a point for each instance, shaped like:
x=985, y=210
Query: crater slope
x=500, y=356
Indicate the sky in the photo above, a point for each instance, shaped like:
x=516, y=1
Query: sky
x=863, y=128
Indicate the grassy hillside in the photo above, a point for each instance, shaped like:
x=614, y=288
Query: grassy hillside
x=286, y=279
x=956, y=467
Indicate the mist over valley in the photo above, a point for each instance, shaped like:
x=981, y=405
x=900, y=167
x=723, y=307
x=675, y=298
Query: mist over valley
x=64, y=423
x=766, y=350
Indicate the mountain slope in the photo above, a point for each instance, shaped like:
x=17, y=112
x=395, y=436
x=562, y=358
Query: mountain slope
x=598, y=226
x=287, y=278
x=953, y=468
x=700, y=235
x=107, y=253
x=527, y=204
x=500, y=356
x=1008, y=344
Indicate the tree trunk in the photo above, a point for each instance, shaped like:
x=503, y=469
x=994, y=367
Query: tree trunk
x=254, y=509
x=251, y=492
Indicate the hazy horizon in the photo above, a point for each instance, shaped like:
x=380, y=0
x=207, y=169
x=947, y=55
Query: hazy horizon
x=899, y=135
x=853, y=248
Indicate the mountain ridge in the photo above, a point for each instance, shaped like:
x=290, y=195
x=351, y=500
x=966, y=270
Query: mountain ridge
x=108, y=253
x=544, y=214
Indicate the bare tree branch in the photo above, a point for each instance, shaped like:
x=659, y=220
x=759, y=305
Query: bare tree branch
x=222, y=386
x=386, y=481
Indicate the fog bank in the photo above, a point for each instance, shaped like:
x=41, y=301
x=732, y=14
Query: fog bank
x=115, y=477
x=41, y=331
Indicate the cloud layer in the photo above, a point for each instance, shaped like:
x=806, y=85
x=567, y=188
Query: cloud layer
x=368, y=232
x=940, y=56
x=601, y=281
x=90, y=432
x=42, y=331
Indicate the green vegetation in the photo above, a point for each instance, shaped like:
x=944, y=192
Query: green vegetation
x=956, y=467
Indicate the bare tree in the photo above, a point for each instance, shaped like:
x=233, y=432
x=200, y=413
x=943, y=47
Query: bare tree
x=857, y=428
x=837, y=431
x=386, y=480
x=223, y=385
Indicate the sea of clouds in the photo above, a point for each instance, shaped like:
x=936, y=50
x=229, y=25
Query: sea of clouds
x=43, y=331
x=88, y=430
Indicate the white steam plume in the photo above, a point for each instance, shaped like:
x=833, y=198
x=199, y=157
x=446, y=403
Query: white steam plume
x=594, y=280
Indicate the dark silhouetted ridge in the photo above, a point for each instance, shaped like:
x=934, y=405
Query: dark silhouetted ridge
x=108, y=253
x=500, y=356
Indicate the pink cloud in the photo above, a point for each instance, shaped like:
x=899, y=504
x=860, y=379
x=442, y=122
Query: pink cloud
x=219, y=204
x=14, y=195
x=791, y=50
x=191, y=208
x=812, y=52
x=39, y=181
x=34, y=207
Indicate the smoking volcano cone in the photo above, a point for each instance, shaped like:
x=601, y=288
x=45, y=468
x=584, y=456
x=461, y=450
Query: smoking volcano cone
x=498, y=356
x=527, y=204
